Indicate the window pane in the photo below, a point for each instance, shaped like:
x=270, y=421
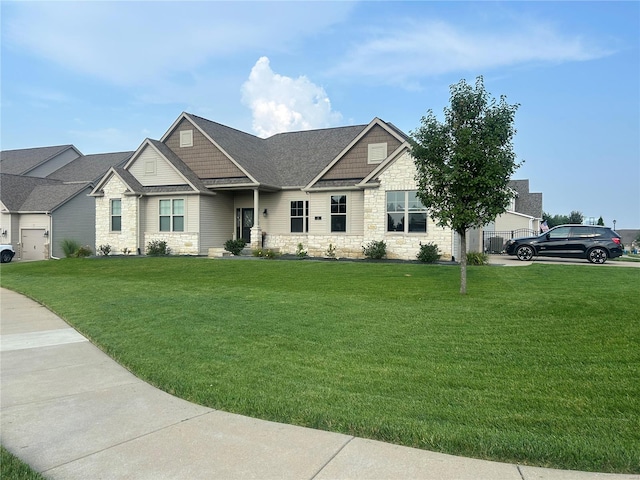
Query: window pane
x=165, y=207
x=116, y=223
x=165, y=224
x=417, y=222
x=338, y=204
x=395, y=222
x=116, y=207
x=414, y=202
x=338, y=223
x=178, y=224
x=562, y=232
x=297, y=224
x=395, y=201
x=178, y=207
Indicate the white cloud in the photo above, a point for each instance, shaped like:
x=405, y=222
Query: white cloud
x=418, y=49
x=282, y=104
x=138, y=43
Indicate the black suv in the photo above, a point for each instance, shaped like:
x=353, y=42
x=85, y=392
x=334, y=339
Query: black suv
x=594, y=243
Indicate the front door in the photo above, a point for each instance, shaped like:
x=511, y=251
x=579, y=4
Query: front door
x=244, y=223
x=33, y=244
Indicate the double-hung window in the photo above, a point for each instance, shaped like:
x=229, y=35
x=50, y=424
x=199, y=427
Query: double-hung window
x=116, y=215
x=405, y=213
x=338, y=213
x=172, y=215
x=299, y=216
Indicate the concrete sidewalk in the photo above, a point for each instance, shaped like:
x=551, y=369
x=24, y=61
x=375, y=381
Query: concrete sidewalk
x=71, y=412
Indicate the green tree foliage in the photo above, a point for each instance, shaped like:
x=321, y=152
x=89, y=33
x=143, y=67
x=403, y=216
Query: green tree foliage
x=576, y=217
x=601, y=221
x=464, y=164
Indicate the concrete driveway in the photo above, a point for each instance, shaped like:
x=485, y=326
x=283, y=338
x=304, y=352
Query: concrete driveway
x=510, y=261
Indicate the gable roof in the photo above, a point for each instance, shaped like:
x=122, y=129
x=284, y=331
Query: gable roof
x=32, y=194
x=90, y=168
x=20, y=162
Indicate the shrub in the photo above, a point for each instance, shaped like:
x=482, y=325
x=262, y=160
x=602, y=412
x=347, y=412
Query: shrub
x=235, y=246
x=104, y=249
x=375, y=250
x=300, y=251
x=331, y=251
x=428, y=253
x=69, y=247
x=158, y=247
x=83, y=252
x=271, y=254
x=477, y=258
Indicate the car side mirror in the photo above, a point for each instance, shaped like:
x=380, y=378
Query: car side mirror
x=548, y=236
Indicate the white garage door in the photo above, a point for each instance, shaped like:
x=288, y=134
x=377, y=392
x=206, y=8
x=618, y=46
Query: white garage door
x=33, y=244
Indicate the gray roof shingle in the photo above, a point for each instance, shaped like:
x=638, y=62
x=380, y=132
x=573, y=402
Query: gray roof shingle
x=33, y=194
x=19, y=162
x=90, y=168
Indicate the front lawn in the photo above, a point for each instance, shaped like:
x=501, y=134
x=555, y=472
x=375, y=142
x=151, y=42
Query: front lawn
x=537, y=365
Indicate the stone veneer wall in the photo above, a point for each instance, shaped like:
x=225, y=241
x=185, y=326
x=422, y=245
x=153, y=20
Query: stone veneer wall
x=399, y=176
x=127, y=237
x=180, y=243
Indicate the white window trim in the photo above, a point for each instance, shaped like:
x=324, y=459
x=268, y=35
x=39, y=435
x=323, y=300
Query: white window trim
x=172, y=215
x=111, y=215
x=407, y=212
x=346, y=214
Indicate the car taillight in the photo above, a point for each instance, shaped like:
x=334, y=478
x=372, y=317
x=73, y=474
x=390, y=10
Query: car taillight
x=616, y=240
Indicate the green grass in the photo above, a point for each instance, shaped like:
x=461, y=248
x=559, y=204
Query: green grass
x=12, y=468
x=537, y=365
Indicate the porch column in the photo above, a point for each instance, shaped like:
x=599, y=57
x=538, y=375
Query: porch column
x=256, y=231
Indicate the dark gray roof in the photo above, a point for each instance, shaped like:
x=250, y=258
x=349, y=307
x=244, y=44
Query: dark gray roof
x=90, y=168
x=285, y=159
x=19, y=162
x=527, y=202
x=32, y=194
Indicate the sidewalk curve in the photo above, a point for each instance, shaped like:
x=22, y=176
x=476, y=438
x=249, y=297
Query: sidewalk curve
x=71, y=412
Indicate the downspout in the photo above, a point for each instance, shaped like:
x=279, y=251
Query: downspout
x=138, y=247
x=51, y=238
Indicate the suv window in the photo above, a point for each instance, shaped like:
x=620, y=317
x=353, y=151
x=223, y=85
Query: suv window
x=586, y=232
x=560, y=232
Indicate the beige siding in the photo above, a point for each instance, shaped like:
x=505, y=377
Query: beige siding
x=216, y=221
x=203, y=157
x=320, y=206
x=150, y=220
x=354, y=163
x=164, y=172
x=510, y=221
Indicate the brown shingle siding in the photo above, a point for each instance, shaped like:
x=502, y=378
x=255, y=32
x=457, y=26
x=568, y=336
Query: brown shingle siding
x=354, y=163
x=204, y=158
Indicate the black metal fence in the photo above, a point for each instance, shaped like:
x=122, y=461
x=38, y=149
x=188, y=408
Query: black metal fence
x=493, y=242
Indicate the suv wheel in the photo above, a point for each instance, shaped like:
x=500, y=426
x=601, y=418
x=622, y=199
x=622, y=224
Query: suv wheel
x=597, y=255
x=6, y=257
x=525, y=253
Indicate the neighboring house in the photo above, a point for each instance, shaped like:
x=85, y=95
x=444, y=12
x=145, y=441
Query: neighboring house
x=522, y=219
x=204, y=183
x=38, y=211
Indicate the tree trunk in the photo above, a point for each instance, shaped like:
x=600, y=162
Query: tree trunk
x=463, y=262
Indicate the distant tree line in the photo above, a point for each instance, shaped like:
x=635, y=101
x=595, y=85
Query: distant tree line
x=574, y=217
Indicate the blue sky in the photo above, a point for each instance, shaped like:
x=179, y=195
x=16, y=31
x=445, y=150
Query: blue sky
x=105, y=75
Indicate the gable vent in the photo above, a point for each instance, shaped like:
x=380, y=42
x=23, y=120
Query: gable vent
x=186, y=138
x=377, y=152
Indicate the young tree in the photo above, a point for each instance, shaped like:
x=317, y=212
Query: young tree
x=464, y=164
x=601, y=221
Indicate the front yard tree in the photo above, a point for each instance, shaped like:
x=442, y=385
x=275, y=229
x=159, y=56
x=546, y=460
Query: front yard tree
x=464, y=164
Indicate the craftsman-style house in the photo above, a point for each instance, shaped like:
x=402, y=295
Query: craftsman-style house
x=204, y=183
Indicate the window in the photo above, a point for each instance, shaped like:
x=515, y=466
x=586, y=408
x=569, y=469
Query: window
x=405, y=213
x=172, y=215
x=299, y=216
x=186, y=138
x=338, y=213
x=377, y=152
x=116, y=215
